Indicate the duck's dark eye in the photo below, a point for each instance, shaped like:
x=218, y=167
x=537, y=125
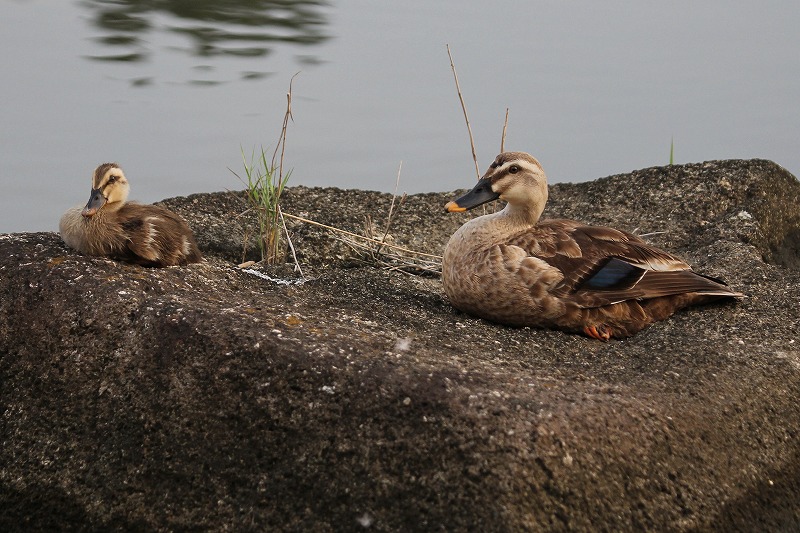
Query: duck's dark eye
x=513, y=169
x=112, y=179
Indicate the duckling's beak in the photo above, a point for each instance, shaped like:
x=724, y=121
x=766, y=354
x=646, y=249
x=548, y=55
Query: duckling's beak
x=96, y=201
x=479, y=195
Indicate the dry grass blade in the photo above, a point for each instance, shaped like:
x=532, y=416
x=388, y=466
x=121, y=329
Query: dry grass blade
x=389, y=259
x=363, y=238
x=291, y=244
x=391, y=206
x=379, y=252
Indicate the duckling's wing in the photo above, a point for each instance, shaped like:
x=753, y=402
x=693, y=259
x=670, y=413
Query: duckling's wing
x=158, y=237
x=603, y=266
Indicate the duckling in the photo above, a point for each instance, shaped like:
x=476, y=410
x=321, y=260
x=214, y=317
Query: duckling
x=512, y=268
x=147, y=235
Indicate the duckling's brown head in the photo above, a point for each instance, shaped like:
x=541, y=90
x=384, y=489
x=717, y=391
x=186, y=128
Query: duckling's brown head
x=109, y=189
x=515, y=177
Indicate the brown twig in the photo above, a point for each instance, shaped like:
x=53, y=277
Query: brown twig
x=464, y=108
x=503, y=138
x=282, y=139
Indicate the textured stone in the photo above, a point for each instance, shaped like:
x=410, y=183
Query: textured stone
x=210, y=398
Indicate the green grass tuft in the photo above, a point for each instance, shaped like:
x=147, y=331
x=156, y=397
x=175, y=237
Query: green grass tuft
x=264, y=185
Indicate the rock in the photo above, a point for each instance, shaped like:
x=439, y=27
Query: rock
x=212, y=398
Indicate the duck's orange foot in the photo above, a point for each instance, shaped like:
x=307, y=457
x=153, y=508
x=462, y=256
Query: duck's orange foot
x=600, y=332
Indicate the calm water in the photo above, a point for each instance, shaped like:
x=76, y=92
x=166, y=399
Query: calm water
x=173, y=92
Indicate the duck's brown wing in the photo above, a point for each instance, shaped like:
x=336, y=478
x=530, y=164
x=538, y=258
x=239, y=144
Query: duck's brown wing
x=157, y=237
x=603, y=266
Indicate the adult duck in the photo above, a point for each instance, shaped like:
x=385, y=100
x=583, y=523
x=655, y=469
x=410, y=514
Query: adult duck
x=110, y=226
x=512, y=268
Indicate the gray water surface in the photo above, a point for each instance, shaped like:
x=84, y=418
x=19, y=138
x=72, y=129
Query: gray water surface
x=173, y=93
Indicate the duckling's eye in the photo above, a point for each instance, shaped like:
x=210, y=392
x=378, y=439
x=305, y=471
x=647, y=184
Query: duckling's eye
x=513, y=169
x=112, y=179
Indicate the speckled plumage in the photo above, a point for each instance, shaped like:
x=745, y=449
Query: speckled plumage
x=110, y=226
x=510, y=267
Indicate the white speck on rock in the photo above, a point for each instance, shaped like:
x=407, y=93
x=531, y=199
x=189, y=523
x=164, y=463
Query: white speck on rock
x=365, y=520
x=567, y=460
x=402, y=345
x=274, y=280
x=328, y=389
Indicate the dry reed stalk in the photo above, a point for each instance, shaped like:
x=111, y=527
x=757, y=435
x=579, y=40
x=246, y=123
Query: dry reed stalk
x=464, y=109
x=282, y=139
x=503, y=137
x=391, y=206
x=291, y=244
x=245, y=236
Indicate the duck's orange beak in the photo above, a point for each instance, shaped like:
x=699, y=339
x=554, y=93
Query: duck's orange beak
x=453, y=207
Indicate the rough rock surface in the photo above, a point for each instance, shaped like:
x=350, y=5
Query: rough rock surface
x=210, y=398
